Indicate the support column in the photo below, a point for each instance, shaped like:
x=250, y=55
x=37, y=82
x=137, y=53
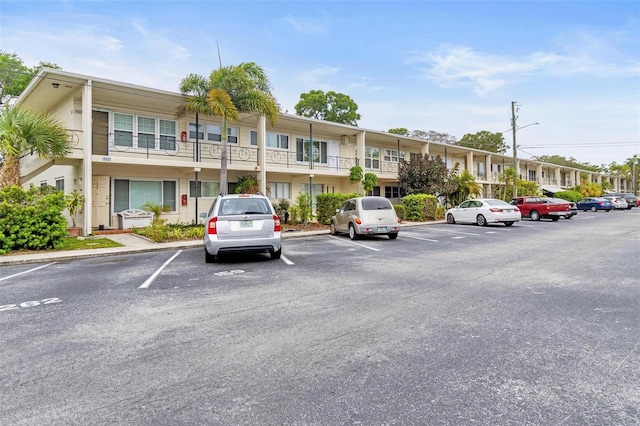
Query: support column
x=262, y=157
x=87, y=164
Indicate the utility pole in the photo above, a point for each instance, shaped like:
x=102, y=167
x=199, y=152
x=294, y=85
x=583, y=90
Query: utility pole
x=515, y=152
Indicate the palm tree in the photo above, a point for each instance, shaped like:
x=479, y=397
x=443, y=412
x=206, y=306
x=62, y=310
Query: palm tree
x=22, y=131
x=228, y=92
x=508, y=177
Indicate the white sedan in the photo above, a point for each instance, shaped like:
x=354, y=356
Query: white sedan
x=484, y=211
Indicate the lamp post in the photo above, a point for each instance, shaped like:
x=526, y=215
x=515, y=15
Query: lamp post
x=311, y=193
x=513, y=129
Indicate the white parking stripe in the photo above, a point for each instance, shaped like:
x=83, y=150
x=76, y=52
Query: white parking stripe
x=354, y=243
x=454, y=232
x=404, y=235
x=287, y=261
x=26, y=272
x=148, y=282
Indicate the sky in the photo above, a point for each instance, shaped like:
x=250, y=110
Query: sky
x=449, y=66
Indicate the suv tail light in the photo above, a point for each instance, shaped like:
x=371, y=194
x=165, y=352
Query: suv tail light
x=211, y=226
x=276, y=224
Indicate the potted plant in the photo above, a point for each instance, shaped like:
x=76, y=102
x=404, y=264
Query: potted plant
x=74, y=202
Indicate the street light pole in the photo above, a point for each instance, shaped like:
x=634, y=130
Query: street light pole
x=515, y=151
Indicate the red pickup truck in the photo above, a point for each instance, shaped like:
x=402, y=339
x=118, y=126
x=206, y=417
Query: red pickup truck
x=536, y=209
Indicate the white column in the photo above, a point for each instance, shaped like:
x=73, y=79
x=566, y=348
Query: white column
x=262, y=157
x=87, y=165
x=360, y=143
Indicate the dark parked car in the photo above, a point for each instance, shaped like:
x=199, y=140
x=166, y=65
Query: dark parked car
x=632, y=200
x=594, y=204
x=573, y=209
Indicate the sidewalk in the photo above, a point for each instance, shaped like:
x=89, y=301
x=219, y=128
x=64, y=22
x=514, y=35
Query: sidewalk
x=133, y=243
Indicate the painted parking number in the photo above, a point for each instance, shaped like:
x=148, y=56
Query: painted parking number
x=30, y=304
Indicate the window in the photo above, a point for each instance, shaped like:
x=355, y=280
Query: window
x=274, y=140
x=168, y=135
x=193, y=133
x=391, y=192
x=277, y=141
x=319, y=151
x=123, y=129
x=60, y=184
x=133, y=194
x=480, y=170
x=146, y=133
x=375, y=191
x=279, y=189
x=214, y=133
x=371, y=158
x=392, y=155
x=207, y=189
x=531, y=175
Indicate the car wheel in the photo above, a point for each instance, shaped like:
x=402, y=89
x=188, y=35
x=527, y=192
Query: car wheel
x=276, y=254
x=450, y=219
x=332, y=228
x=393, y=236
x=535, y=216
x=568, y=217
x=508, y=223
x=481, y=220
x=209, y=258
x=352, y=232
x=607, y=210
x=555, y=218
x=594, y=209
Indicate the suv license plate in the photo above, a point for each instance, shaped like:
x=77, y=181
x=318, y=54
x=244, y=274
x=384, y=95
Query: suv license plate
x=246, y=224
x=382, y=229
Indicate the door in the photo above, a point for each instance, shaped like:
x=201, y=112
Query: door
x=100, y=192
x=100, y=132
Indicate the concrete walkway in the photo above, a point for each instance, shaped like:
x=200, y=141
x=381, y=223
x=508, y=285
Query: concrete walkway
x=133, y=243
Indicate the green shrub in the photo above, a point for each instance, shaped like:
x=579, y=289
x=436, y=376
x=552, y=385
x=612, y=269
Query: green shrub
x=572, y=196
x=31, y=219
x=420, y=207
x=327, y=204
x=400, y=211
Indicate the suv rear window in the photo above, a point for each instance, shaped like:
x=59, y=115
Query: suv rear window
x=376, y=204
x=242, y=206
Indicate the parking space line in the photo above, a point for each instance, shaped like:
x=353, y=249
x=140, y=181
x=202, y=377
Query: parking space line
x=26, y=272
x=455, y=232
x=148, y=282
x=404, y=235
x=354, y=243
x=285, y=260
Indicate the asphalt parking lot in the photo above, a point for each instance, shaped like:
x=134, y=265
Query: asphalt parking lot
x=448, y=324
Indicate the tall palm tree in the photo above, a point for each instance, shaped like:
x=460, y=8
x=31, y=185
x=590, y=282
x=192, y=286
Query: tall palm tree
x=229, y=91
x=22, y=131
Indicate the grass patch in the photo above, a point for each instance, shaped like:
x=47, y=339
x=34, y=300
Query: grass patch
x=87, y=243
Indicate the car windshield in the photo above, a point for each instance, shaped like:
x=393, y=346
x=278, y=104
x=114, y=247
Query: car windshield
x=233, y=206
x=376, y=204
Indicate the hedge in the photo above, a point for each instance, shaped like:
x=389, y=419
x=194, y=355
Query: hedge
x=327, y=204
x=420, y=207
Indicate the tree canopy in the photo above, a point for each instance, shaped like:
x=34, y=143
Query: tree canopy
x=399, y=131
x=427, y=175
x=486, y=141
x=569, y=162
x=22, y=130
x=330, y=106
x=227, y=92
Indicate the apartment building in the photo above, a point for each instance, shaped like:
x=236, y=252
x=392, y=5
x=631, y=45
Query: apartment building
x=128, y=148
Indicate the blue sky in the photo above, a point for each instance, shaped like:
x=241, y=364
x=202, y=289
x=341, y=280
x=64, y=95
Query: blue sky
x=448, y=66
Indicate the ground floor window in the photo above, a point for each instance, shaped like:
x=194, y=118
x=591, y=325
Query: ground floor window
x=279, y=189
x=60, y=184
x=133, y=194
x=391, y=192
x=206, y=189
x=374, y=192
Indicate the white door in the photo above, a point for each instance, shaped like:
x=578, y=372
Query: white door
x=333, y=152
x=100, y=189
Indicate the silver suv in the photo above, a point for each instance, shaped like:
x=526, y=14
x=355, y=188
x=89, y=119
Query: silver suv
x=241, y=224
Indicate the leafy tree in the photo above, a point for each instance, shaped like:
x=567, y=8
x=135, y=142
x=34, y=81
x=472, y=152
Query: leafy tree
x=427, y=175
x=370, y=180
x=330, y=106
x=486, y=141
x=15, y=76
x=507, y=178
x=228, y=92
x=466, y=187
x=22, y=130
x=399, y=131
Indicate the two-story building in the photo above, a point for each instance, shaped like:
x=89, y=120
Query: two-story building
x=130, y=148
